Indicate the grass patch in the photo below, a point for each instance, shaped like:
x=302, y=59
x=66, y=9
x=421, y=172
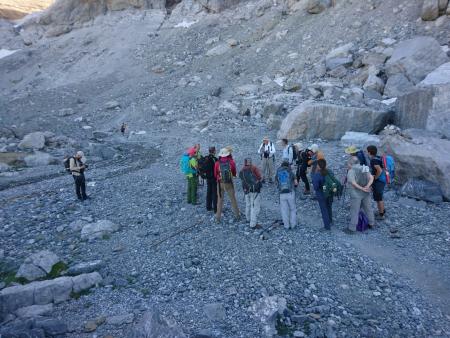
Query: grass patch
x=57, y=269
x=77, y=295
x=282, y=328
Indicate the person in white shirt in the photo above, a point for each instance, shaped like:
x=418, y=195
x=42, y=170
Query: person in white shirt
x=267, y=152
x=288, y=152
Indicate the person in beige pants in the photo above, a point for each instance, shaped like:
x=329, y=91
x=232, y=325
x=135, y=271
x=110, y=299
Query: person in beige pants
x=267, y=152
x=359, y=195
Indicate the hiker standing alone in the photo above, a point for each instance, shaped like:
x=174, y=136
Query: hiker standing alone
x=251, y=184
x=376, y=167
x=123, y=128
x=267, y=152
x=77, y=168
x=286, y=183
x=224, y=171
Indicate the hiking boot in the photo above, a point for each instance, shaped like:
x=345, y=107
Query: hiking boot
x=380, y=217
x=371, y=226
x=257, y=226
x=348, y=231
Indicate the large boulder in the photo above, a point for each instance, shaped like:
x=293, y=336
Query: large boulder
x=428, y=106
x=430, y=10
x=415, y=58
x=358, y=139
x=421, y=157
x=266, y=309
x=34, y=140
x=39, y=159
x=398, y=85
x=422, y=190
x=340, y=56
x=153, y=325
x=329, y=121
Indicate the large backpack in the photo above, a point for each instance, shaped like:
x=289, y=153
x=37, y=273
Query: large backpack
x=332, y=187
x=204, y=166
x=66, y=163
x=185, y=166
x=389, y=168
x=284, y=180
x=226, y=175
x=249, y=181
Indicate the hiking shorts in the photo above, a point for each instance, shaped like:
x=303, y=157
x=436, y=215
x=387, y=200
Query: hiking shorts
x=378, y=189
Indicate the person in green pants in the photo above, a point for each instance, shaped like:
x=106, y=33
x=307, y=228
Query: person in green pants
x=192, y=177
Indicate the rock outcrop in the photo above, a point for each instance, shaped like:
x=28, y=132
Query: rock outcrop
x=421, y=157
x=329, y=121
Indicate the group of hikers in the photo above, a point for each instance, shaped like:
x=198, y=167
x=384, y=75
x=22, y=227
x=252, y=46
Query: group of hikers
x=367, y=174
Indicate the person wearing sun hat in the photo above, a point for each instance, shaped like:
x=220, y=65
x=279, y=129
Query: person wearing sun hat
x=224, y=172
x=267, y=152
x=355, y=151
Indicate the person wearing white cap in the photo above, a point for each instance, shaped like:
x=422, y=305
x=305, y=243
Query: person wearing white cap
x=267, y=152
x=77, y=168
x=316, y=155
x=224, y=172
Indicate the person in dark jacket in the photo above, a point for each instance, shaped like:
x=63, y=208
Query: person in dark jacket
x=77, y=169
x=325, y=203
x=211, y=183
x=304, y=155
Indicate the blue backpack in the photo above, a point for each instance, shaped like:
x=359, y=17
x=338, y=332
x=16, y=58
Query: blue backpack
x=284, y=181
x=389, y=168
x=185, y=166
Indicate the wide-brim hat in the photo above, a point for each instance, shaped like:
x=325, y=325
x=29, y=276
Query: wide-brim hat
x=351, y=150
x=314, y=148
x=266, y=138
x=224, y=152
x=229, y=148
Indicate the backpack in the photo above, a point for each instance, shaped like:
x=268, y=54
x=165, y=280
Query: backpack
x=294, y=152
x=284, y=181
x=383, y=176
x=332, y=187
x=185, y=166
x=363, y=158
x=389, y=168
x=363, y=222
x=225, y=172
x=249, y=182
x=203, y=166
x=66, y=163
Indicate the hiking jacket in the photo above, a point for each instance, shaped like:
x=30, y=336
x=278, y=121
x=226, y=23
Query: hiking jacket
x=209, y=171
x=223, y=160
x=254, y=170
x=267, y=147
x=194, y=165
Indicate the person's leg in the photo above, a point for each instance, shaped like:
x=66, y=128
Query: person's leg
x=194, y=189
x=189, y=190
x=248, y=207
x=323, y=209
x=367, y=207
x=220, y=193
x=83, y=187
x=284, y=209
x=271, y=165
x=355, y=206
x=256, y=207
x=378, y=189
x=304, y=178
x=214, y=194
x=292, y=210
x=232, y=195
x=265, y=168
x=330, y=208
x=77, y=186
x=208, y=195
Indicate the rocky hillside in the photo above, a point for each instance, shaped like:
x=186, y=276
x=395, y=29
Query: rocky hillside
x=16, y=9
x=135, y=260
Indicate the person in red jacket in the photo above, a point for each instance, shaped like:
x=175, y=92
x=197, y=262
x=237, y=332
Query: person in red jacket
x=224, y=172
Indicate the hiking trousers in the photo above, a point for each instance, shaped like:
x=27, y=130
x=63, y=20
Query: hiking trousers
x=252, y=207
x=211, y=194
x=267, y=168
x=229, y=189
x=192, y=189
x=80, y=186
x=288, y=210
x=360, y=201
x=326, y=209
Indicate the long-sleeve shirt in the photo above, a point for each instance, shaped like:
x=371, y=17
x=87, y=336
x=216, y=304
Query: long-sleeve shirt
x=288, y=154
x=269, y=148
x=217, y=167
